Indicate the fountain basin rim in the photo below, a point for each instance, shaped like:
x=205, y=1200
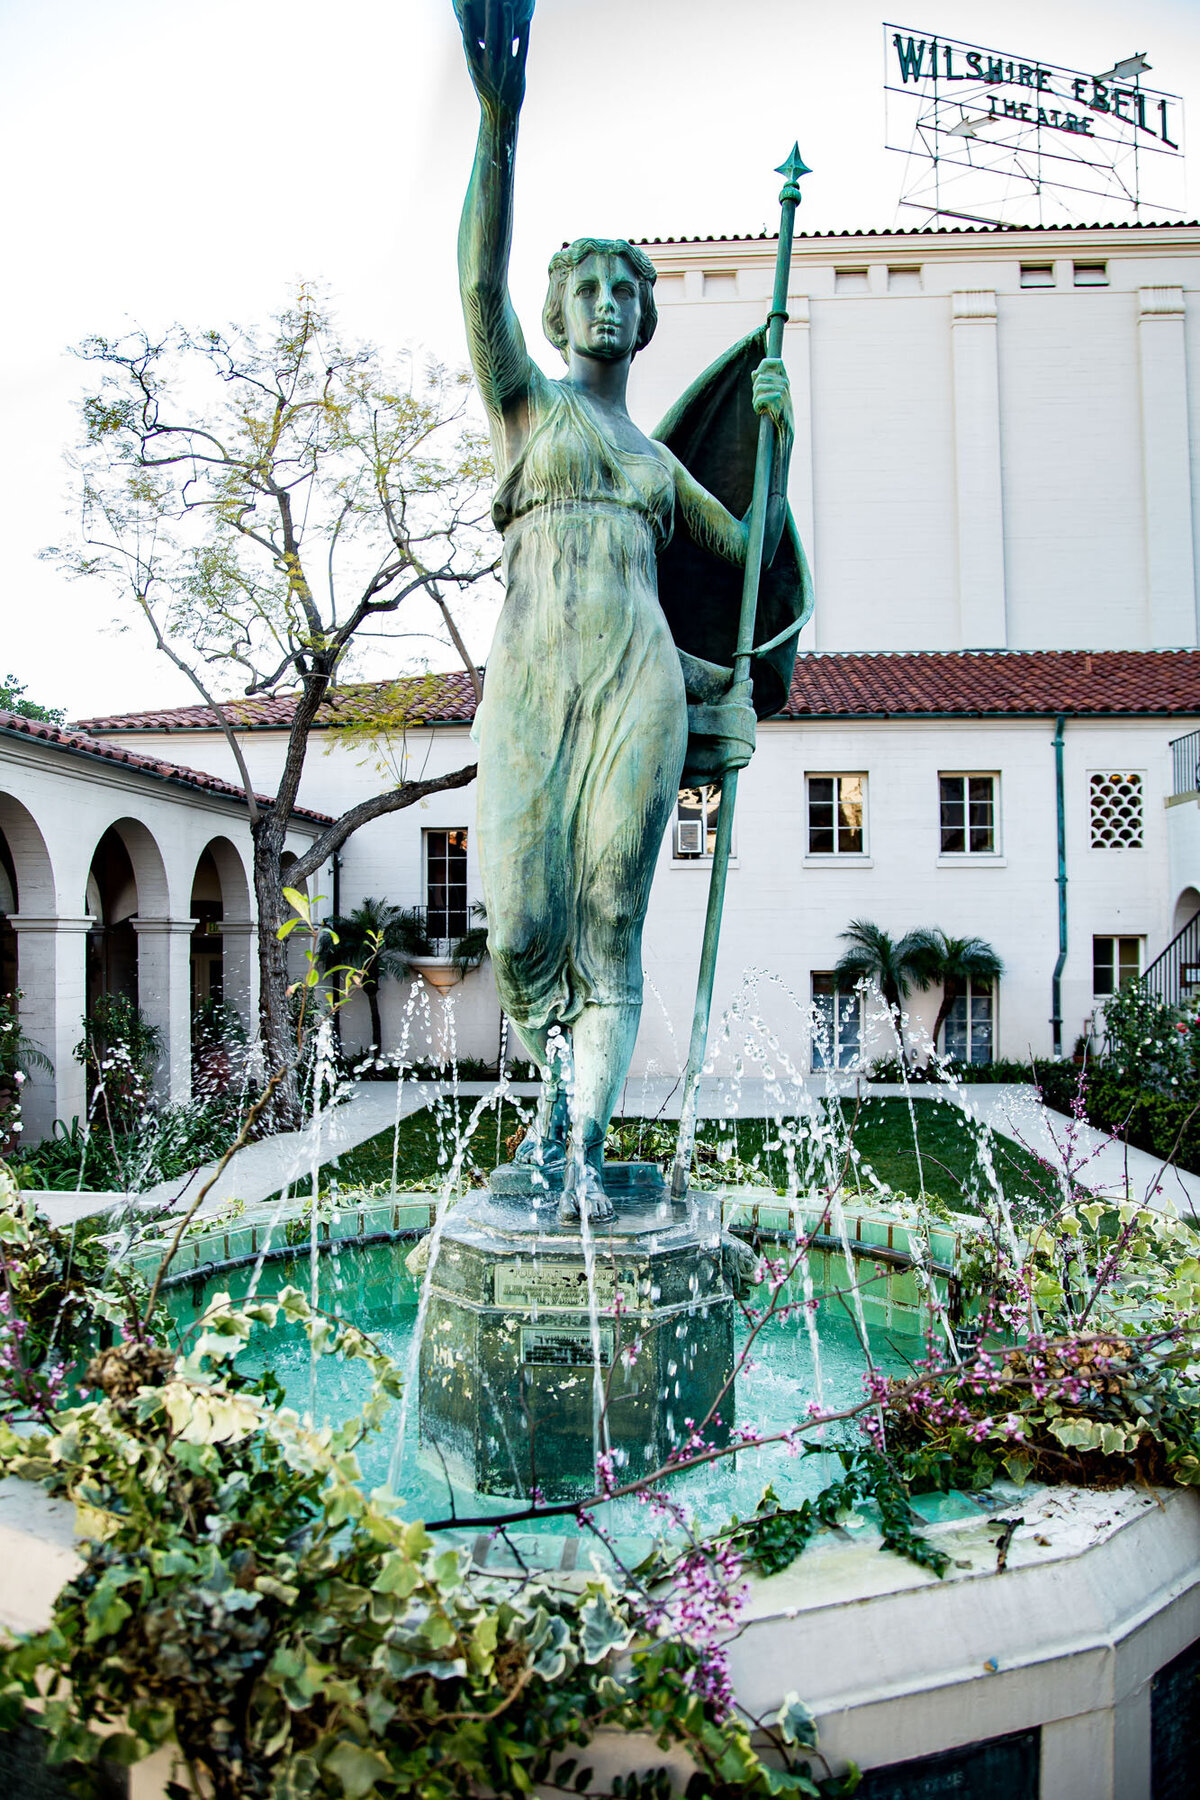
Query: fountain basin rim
x=188, y=1265
x=1066, y=1643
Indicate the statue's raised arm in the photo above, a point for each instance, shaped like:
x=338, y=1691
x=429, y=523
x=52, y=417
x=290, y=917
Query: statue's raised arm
x=495, y=37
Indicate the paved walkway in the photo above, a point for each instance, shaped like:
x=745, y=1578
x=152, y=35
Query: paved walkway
x=261, y=1169
x=1098, y=1160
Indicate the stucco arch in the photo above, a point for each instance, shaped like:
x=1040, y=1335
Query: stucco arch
x=286, y=860
x=235, y=882
x=1186, y=908
x=45, y=963
x=222, y=944
x=37, y=889
x=155, y=935
x=149, y=865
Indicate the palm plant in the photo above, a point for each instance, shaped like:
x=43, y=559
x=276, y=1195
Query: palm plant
x=18, y=1054
x=893, y=965
x=955, y=962
x=471, y=948
x=379, y=941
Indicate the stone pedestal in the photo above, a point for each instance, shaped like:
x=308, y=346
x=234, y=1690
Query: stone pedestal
x=508, y=1370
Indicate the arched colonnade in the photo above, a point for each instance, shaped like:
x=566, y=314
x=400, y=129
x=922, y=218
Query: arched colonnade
x=114, y=881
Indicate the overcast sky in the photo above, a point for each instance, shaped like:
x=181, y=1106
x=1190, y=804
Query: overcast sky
x=193, y=161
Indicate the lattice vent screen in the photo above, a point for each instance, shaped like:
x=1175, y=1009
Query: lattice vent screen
x=1116, y=811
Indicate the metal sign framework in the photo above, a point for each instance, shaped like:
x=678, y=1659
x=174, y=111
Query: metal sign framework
x=994, y=139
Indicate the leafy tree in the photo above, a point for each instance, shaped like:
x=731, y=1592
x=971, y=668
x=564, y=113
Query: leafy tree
x=893, y=965
x=378, y=941
x=268, y=499
x=955, y=962
x=12, y=699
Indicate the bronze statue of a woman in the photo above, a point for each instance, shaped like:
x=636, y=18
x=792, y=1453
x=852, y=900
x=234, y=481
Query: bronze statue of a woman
x=584, y=726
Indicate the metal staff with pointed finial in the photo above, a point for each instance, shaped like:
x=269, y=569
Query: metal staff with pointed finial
x=777, y=318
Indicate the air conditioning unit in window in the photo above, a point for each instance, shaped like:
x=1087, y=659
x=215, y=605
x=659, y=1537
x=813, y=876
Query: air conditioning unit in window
x=689, y=837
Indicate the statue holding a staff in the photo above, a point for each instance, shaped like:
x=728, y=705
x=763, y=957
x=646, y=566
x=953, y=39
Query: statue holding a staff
x=610, y=674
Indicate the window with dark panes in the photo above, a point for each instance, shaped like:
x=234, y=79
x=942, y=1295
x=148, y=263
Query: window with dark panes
x=837, y=1023
x=696, y=822
x=968, y=814
x=446, y=883
x=837, y=815
x=968, y=1035
x=1116, y=961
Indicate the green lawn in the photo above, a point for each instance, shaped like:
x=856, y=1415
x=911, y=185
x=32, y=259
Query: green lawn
x=882, y=1137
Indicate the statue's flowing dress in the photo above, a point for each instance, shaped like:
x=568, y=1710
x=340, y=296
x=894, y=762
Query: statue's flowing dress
x=583, y=726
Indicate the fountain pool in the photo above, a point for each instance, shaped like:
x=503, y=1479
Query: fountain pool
x=791, y=1368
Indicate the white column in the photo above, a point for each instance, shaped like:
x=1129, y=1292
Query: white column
x=165, y=998
x=979, y=492
x=797, y=355
x=240, y=970
x=52, y=974
x=1166, y=469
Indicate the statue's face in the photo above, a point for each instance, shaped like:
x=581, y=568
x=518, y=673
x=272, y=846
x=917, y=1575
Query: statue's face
x=601, y=308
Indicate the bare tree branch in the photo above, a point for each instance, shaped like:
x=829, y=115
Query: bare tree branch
x=375, y=808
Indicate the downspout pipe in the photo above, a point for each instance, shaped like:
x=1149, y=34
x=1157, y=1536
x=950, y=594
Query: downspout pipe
x=1060, y=808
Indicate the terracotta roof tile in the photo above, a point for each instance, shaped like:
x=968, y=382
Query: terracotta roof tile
x=979, y=228
x=984, y=683
x=79, y=743
x=444, y=699
x=827, y=684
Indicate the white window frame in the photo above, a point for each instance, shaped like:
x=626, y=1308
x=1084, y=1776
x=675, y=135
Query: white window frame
x=442, y=941
x=710, y=800
x=849, y=1002
x=973, y=991
x=860, y=855
x=967, y=854
x=1116, y=939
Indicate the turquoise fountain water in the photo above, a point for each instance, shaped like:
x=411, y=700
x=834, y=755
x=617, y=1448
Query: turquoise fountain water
x=373, y=1286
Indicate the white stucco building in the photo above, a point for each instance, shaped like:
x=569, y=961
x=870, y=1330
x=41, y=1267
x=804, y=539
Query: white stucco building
x=997, y=478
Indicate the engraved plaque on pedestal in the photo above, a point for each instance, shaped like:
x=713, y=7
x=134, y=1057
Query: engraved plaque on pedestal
x=509, y=1357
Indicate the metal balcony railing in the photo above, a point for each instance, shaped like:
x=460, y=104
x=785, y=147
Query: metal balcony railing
x=1175, y=975
x=1185, y=763
x=443, y=926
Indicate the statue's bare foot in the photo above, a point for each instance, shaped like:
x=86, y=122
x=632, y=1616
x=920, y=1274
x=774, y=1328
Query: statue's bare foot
x=583, y=1191
x=542, y=1152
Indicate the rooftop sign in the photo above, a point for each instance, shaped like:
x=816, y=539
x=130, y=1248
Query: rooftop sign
x=1017, y=140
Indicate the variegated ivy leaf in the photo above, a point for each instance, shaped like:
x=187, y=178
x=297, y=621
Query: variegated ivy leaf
x=796, y=1723
x=293, y=1304
x=604, y=1630
x=201, y=1416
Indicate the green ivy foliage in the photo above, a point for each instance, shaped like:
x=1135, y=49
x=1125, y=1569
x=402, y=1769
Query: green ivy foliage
x=242, y=1598
x=776, y=1535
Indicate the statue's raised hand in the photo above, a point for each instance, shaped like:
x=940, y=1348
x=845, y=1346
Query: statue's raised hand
x=495, y=37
